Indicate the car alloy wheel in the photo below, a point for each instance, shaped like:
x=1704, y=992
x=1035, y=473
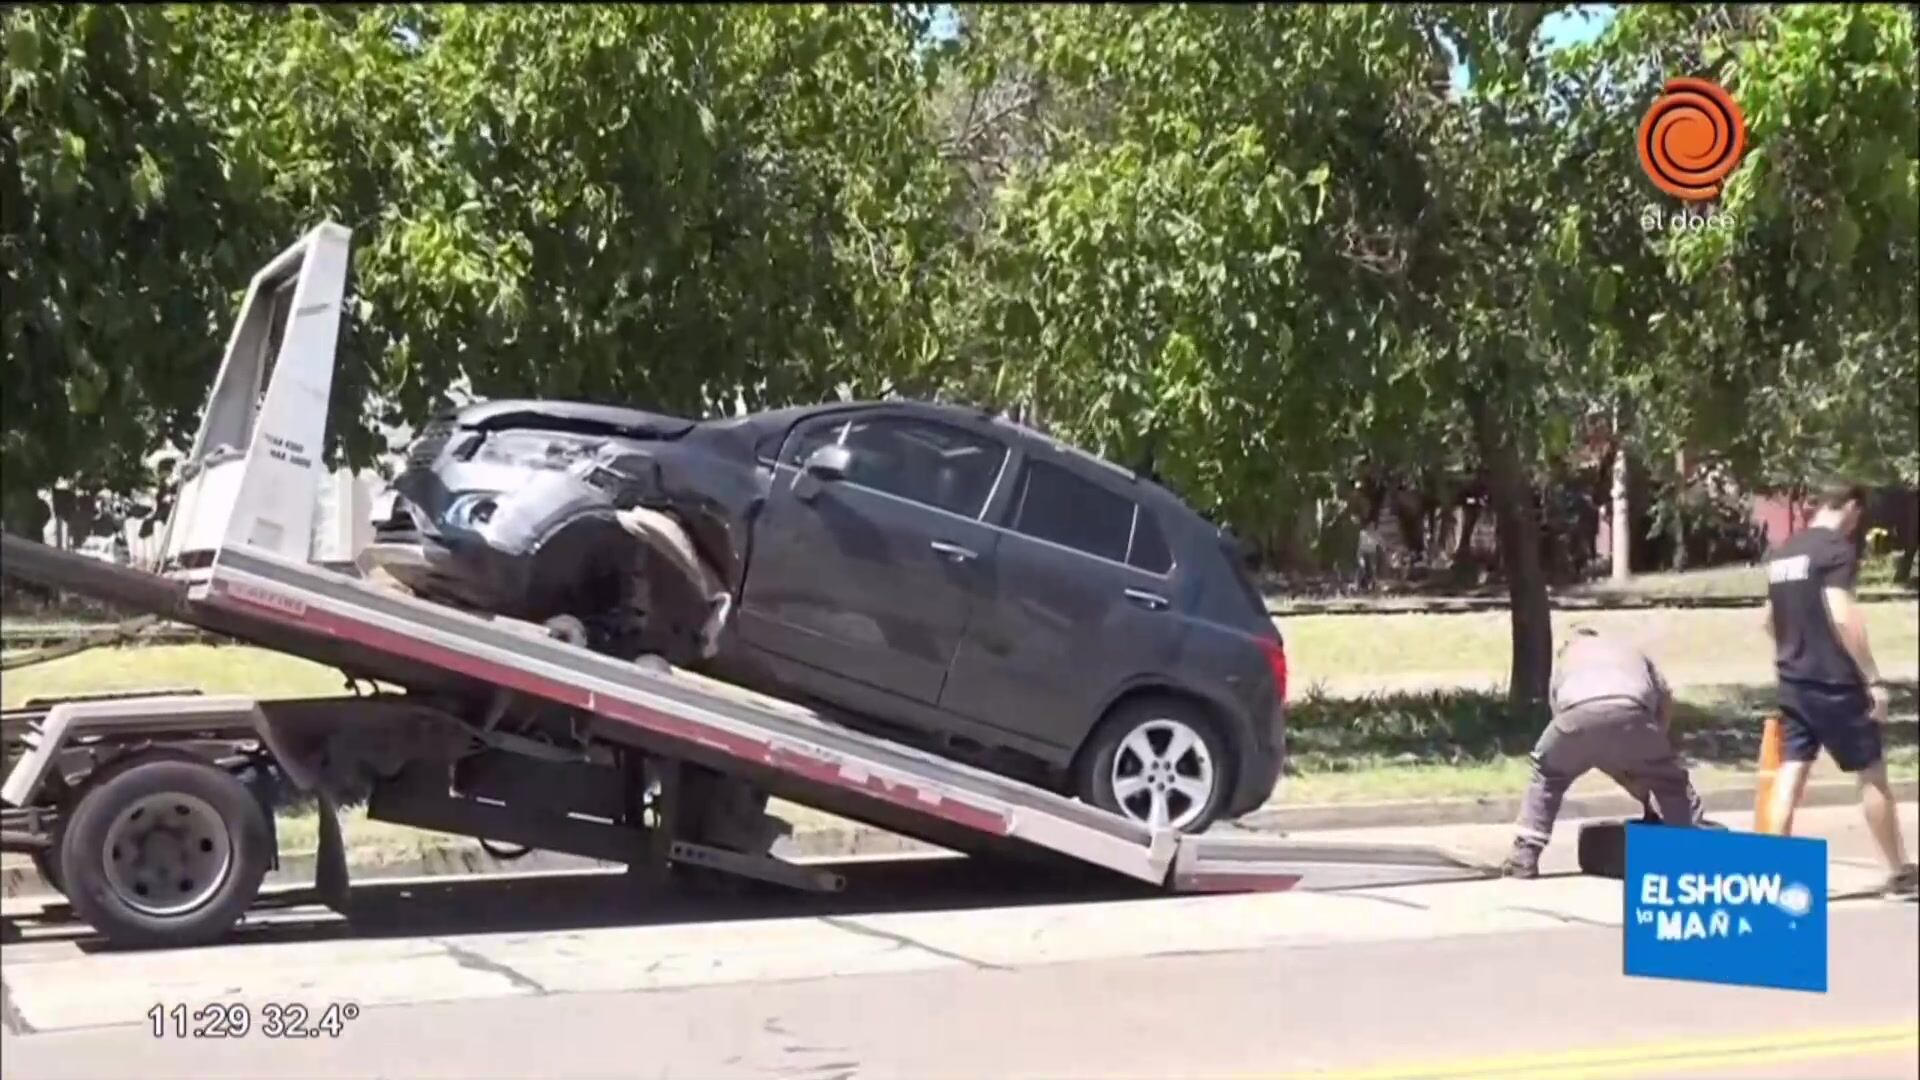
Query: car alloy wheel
x=1163, y=774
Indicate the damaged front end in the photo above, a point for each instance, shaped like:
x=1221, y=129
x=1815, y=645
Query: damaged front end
x=566, y=523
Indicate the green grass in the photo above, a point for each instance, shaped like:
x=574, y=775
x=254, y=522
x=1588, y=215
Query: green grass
x=1727, y=642
x=212, y=669
x=1717, y=583
x=1460, y=744
x=1723, y=582
x=1362, y=746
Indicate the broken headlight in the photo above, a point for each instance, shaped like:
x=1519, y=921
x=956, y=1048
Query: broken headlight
x=471, y=511
x=531, y=450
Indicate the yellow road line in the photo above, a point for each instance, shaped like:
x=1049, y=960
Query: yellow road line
x=1660, y=1058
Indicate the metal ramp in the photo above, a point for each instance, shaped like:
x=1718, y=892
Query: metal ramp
x=237, y=553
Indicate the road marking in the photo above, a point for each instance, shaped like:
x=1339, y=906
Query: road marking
x=1662, y=1058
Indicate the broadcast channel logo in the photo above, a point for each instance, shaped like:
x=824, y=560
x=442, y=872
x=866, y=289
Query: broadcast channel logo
x=1692, y=137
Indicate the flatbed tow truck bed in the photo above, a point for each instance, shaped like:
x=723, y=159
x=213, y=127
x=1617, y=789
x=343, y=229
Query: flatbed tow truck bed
x=238, y=546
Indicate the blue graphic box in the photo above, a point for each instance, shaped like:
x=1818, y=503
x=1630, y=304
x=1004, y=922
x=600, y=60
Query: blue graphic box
x=1710, y=905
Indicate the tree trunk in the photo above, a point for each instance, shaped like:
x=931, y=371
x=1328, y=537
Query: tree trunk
x=1622, y=529
x=1409, y=516
x=1906, y=535
x=1469, y=520
x=1519, y=532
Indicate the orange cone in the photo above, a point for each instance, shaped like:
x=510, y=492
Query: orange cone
x=1772, y=750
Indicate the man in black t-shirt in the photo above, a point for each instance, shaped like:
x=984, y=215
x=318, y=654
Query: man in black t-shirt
x=1831, y=695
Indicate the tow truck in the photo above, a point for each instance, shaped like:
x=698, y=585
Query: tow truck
x=154, y=813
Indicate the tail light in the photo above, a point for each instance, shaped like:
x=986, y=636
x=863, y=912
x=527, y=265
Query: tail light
x=1277, y=659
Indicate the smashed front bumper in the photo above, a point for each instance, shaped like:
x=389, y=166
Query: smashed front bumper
x=522, y=545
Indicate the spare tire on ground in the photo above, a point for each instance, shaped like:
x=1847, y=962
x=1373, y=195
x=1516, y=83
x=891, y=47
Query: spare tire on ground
x=1603, y=846
x=1603, y=849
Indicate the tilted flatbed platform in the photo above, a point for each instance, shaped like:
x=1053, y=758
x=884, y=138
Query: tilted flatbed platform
x=248, y=516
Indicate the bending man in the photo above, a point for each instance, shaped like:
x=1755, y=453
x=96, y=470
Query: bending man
x=1611, y=711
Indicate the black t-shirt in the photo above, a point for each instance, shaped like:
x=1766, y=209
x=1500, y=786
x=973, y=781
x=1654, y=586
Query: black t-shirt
x=1806, y=646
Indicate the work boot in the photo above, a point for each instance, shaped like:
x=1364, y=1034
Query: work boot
x=1903, y=884
x=1523, y=862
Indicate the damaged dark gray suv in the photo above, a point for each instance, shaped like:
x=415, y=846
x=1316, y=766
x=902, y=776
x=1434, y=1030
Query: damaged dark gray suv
x=935, y=574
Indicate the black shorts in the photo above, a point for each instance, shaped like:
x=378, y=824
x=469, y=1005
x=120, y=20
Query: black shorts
x=1838, y=718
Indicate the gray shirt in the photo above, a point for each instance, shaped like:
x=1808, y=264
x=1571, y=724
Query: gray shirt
x=1595, y=668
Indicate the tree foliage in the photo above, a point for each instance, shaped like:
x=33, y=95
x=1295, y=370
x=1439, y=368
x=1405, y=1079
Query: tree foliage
x=1266, y=249
x=655, y=203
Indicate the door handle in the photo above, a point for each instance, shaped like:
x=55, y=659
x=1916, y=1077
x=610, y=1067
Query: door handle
x=1150, y=601
x=954, y=551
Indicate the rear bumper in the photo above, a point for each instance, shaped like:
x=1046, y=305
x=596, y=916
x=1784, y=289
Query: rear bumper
x=1261, y=769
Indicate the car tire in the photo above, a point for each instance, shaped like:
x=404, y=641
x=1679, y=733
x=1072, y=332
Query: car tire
x=214, y=848
x=1159, y=753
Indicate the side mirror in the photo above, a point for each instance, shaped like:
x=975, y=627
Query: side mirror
x=825, y=464
x=830, y=462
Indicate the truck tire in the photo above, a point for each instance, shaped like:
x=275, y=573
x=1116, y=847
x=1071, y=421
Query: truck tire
x=1161, y=753
x=165, y=852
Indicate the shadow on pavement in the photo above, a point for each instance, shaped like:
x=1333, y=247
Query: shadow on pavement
x=580, y=900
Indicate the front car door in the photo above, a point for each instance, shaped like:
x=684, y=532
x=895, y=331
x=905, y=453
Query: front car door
x=1082, y=601
x=872, y=577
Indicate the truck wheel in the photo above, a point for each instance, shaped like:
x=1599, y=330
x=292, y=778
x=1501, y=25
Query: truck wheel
x=165, y=852
x=1160, y=761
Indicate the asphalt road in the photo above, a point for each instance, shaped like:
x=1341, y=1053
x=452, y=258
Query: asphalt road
x=1547, y=1002
x=938, y=971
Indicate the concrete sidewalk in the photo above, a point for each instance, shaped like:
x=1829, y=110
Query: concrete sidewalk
x=1853, y=857
x=53, y=984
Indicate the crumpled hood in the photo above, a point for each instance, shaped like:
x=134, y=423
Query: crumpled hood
x=572, y=416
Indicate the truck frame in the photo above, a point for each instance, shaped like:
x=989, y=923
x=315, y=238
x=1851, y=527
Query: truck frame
x=154, y=813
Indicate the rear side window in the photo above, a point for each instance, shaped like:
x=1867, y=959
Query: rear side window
x=1236, y=559
x=1059, y=507
x=1149, y=551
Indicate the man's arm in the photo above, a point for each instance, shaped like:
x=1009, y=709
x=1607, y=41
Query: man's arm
x=1850, y=627
x=1662, y=694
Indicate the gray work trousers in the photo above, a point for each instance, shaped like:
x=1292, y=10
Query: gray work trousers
x=1621, y=739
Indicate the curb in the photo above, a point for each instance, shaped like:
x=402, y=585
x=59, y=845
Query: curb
x=464, y=856
x=1461, y=605
x=1501, y=811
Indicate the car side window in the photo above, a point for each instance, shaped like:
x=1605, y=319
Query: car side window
x=927, y=462
x=1061, y=508
x=810, y=438
x=1149, y=550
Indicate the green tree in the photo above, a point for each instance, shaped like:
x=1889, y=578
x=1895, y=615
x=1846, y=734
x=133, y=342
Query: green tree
x=121, y=231
x=1804, y=356
x=657, y=204
x=1166, y=271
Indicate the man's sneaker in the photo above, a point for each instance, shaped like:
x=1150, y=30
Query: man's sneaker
x=1904, y=883
x=1524, y=862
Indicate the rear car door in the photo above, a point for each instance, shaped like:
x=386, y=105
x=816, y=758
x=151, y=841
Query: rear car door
x=872, y=577
x=1081, y=602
